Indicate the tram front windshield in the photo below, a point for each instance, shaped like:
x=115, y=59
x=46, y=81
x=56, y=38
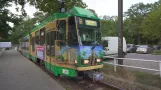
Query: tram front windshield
x=89, y=37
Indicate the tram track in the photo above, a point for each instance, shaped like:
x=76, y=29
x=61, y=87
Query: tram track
x=78, y=84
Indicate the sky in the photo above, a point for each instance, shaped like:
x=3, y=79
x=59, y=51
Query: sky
x=102, y=7
x=110, y=7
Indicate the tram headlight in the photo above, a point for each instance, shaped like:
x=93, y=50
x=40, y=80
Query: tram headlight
x=98, y=60
x=75, y=61
x=85, y=61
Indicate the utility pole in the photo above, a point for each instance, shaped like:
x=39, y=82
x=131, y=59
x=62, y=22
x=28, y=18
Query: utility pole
x=120, y=29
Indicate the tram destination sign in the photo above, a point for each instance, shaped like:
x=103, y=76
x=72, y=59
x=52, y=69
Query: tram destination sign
x=91, y=23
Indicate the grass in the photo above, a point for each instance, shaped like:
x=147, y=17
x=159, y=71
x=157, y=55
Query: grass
x=134, y=76
x=156, y=52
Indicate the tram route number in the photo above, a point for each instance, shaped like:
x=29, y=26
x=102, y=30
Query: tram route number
x=65, y=71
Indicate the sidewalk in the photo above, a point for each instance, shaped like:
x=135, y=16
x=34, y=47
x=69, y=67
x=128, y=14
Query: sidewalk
x=18, y=73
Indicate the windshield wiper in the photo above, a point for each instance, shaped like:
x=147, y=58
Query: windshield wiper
x=93, y=45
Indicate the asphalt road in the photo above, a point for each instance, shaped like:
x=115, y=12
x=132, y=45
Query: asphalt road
x=143, y=56
x=151, y=65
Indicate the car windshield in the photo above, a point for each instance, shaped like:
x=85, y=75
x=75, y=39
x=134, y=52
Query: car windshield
x=90, y=36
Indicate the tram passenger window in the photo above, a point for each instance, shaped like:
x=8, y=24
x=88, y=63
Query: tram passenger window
x=30, y=41
x=37, y=34
x=47, y=44
x=53, y=38
x=42, y=36
x=33, y=44
x=26, y=44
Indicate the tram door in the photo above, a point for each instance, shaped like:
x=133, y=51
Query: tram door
x=50, y=48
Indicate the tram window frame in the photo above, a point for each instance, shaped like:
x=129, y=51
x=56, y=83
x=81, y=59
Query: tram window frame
x=37, y=37
x=42, y=37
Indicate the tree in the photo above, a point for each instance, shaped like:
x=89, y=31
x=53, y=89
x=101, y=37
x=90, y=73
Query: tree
x=51, y=6
x=151, y=26
x=6, y=16
x=136, y=14
x=109, y=26
x=24, y=27
x=39, y=17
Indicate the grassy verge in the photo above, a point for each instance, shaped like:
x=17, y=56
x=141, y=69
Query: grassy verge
x=156, y=52
x=134, y=76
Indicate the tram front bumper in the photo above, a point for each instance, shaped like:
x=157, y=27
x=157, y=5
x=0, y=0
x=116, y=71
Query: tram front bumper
x=89, y=67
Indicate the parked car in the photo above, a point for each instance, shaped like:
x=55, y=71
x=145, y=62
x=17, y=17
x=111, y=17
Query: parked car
x=144, y=49
x=131, y=48
x=111, y=49
x=156, y=47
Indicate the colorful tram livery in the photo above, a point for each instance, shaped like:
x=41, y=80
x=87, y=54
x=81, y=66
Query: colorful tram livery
x=67, y=43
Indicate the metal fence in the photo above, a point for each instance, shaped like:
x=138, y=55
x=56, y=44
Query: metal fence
x=143, y=60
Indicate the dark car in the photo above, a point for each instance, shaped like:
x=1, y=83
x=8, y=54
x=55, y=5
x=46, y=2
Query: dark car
x=156, y=47
x=131, y=48
x=144, y=49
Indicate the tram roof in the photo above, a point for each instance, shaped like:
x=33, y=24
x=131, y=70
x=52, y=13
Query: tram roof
x=76, y=11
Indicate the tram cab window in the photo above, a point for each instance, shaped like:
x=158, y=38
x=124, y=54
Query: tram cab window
x=72, y=34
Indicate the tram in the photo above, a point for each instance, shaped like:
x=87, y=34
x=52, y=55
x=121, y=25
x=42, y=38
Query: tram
x=66, y=44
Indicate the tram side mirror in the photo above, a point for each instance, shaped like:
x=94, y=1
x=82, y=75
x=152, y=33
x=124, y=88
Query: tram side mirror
x=104, y=43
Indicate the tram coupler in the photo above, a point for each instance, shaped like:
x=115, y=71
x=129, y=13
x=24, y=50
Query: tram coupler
x=95, y=76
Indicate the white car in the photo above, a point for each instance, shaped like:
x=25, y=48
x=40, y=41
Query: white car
x=144, y=49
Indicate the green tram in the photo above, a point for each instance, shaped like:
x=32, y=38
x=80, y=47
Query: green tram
x=67, y=44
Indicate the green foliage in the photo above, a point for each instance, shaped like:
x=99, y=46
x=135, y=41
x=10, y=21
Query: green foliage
x=26, y=25
x=151, y=25
x=134, y=18
x=51, y=6
x=6, y=16
x=20, y=30
x=109, y=27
